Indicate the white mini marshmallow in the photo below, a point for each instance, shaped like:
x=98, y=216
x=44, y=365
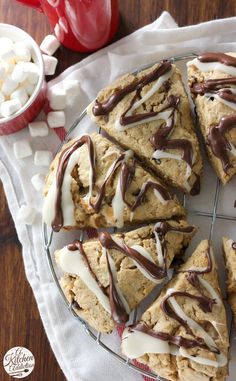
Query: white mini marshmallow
x=57, y=98
x=71, y=87
x=7, y=54
x=38, y=128
x=49, y=45
x=5, y=43
x=38, y=182
x=56, y=119
x=2, y=71
x=8, y=86
x=2, y=98
x=22, y=51
x=32, y=71
x=8, y=108
x=43, y=158
x=50, y=64
x=26, y=214
x=21, y=95
x=19, y=74
x=22, y=149
x=29, y=87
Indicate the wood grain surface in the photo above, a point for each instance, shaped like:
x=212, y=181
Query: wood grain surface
x=20, y=324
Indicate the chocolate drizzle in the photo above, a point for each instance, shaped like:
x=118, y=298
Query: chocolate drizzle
x=204, y=302
x=57, y=222
x=176, y=340
x=152, y=269
x=219, y=143
x=119, y=313
x=160, y=140
x=150, y=185
x=216, y=139
x=78, y=245
x=222, y=58
x=109, y=104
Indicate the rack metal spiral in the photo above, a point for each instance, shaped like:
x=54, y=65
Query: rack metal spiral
x=48, y=237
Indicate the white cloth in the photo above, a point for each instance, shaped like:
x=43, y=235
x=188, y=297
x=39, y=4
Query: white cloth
x=79, y=357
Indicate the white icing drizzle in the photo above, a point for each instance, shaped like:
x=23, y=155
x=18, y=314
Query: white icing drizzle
x=141, y=250
x=158, y=155
x=210, y=289
x=192, y=323
x=115, y=281
x=232, y=105
x=160, y=255
x=157, y=85
x=118, y=203
x=212, y=66
x=72, y=262
x=67, y=203
x=136, y=344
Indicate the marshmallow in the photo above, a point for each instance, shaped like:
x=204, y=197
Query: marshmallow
x=8, y=108
x=29, y=87
x=32, y=72
x=50, y=64
x=2, y=98
x=7, y=54
x=22, y=51
x=57, y=98
x=26, y=214
x=8, y=86
x=2, y=71
x=71, y=87
x=38, y=182
x=21, y=95
x=22, y=149
x=49, y=45
x=56, y=119
x=38, y=129
x=42, y=158
x=18, y=73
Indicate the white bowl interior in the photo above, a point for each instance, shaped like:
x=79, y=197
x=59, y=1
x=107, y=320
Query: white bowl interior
x=17, y=34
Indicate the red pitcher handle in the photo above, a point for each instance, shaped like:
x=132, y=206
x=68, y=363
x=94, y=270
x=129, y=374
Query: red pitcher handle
x=32, y=3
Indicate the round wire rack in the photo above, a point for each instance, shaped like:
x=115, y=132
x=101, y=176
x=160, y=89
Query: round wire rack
x=49, y=236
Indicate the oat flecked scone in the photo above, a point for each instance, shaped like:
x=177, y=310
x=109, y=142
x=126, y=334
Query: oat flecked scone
x=183, y=336
x=138, y=260
x=212, y=80
x=92, y=183
x=149, y=113
x=229, y=250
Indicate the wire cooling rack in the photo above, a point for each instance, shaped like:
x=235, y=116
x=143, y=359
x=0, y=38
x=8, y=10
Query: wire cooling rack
x=49, y=236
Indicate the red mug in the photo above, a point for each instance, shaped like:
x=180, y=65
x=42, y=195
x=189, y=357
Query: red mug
x=81, y=25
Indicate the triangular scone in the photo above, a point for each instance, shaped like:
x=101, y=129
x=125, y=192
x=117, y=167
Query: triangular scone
x=149, y=113
x=229, y=249
x=138, y=260
x=212, y=80
x=183, y=335
x=92, y=183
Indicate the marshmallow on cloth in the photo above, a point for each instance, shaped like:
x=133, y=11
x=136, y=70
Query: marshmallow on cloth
x=42, y=158
x=38, y=128
x=22, y=149
x=57, y=98
x=56, y=119
x=50, y=64
x=49, y=44
x=38, y=182
x=26, y=214
x=71, y=87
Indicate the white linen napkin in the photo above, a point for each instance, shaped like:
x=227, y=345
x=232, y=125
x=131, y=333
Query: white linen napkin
x=79, y=357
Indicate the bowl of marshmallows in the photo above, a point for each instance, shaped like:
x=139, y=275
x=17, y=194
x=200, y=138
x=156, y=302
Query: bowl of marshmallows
x=22, y=83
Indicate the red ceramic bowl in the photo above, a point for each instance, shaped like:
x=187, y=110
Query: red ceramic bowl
x=36, y=101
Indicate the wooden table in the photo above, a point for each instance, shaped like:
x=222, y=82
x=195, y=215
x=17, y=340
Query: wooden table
x=20, y=324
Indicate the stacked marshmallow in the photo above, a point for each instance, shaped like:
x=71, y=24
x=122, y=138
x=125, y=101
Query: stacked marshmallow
x=18, y=75
x=49, y=45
